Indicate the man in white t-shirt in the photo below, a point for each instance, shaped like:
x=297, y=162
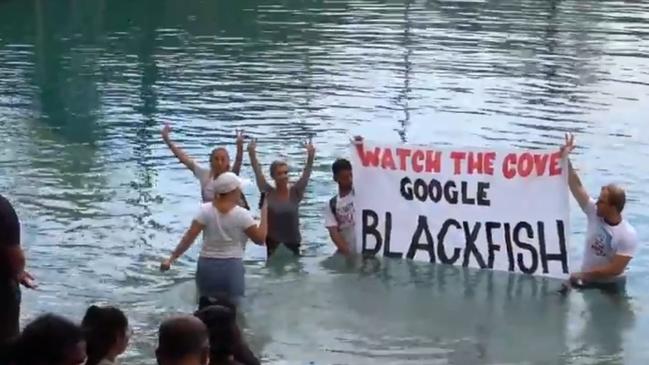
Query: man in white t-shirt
x=611, y=241
x=339, y=210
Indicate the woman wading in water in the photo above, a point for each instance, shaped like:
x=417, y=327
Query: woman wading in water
x=219, y=163
x=226, y=226
x=283, y=200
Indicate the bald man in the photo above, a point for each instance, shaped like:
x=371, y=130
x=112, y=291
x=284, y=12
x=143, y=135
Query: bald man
x=611, y=241
x=183, y=340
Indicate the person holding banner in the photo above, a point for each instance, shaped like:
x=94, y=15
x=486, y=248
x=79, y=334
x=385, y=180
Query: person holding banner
x=339, y=210
x=219, y=163
x=611, y=241
x=283, y=200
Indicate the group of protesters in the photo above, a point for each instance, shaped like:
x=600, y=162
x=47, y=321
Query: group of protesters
x=226, y=222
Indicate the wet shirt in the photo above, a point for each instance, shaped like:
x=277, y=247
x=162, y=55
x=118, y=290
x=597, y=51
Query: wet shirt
x=207, y=191
x=284, y=214
x=343, y=218
x=604, y=241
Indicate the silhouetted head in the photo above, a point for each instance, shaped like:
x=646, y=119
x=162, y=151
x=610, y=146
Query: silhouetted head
x=611, y=201
x=219, y=299
x=279, y=173
x=106, y=332
x=219, y=161
x=12, y=259
x=222, y=326
x=183, y=340
x=50, y=340
x=342, y=174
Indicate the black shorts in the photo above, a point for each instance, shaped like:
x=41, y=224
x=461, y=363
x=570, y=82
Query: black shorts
x=271, y=246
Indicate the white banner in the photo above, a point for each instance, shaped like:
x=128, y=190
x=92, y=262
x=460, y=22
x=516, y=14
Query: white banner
x=489, y=209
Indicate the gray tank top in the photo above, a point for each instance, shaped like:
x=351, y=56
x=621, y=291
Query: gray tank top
x=284, y=215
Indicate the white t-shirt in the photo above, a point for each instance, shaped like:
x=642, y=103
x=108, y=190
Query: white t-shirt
x=203, y=176
x=604, y=241
x=223, y=235
x=344, y=218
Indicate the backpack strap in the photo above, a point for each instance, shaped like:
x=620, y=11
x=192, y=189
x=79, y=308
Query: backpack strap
x=332, y=207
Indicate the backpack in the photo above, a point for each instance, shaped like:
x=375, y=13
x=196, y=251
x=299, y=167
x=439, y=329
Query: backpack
x=332, y=207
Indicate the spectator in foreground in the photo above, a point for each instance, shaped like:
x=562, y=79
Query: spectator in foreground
x=50, y=340
x=107, y=334
x=242, y=352
x=183, y=340
x=220, y=322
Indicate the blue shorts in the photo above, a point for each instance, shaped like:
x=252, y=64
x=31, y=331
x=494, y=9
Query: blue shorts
x=220, y=276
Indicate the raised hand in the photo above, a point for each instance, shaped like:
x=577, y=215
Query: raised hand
x=252, y=145
x=308, y=144
x=165, y=265
x=165, y=131
x=357, y=140
x=568, y=146
x=26, y=280
x=239, y=134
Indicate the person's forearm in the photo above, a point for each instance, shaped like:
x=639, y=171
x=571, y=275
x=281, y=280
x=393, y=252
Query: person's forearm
x=573, y=179
x=601, y=272
x=339, y=241
x=263, y=224
x=178, y=152
x=259, y=175
x=238, y=160
x=576, y=187
x=308, y=168
x=183, y=245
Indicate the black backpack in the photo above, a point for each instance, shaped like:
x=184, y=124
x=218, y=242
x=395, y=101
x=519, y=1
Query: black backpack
x=332, y=206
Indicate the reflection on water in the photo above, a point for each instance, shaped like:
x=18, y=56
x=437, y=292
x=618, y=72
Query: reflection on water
x=85, y=87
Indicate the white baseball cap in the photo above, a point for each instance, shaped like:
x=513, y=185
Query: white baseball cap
x=226, y=182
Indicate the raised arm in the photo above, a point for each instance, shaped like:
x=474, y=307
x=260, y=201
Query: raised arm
x=257, y=233
x=576, y=187
x=238, y=159
x=184, y=244
x=177, y=151
x=306, y=173
x=259, y=175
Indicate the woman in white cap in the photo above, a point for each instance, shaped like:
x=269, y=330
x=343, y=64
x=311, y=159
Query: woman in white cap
x=226, y=226
x=219, y=163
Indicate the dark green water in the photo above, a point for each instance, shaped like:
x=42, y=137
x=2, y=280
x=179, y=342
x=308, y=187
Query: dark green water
x=86, y=85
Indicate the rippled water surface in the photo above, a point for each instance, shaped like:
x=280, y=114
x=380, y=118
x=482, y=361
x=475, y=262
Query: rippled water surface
x=86, y=85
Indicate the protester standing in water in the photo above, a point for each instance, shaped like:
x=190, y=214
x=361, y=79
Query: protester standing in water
x=219, y=163
x=339, y=210
x=12, y=273
x=283, y=200
x=611, y=241
x=226, y=227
